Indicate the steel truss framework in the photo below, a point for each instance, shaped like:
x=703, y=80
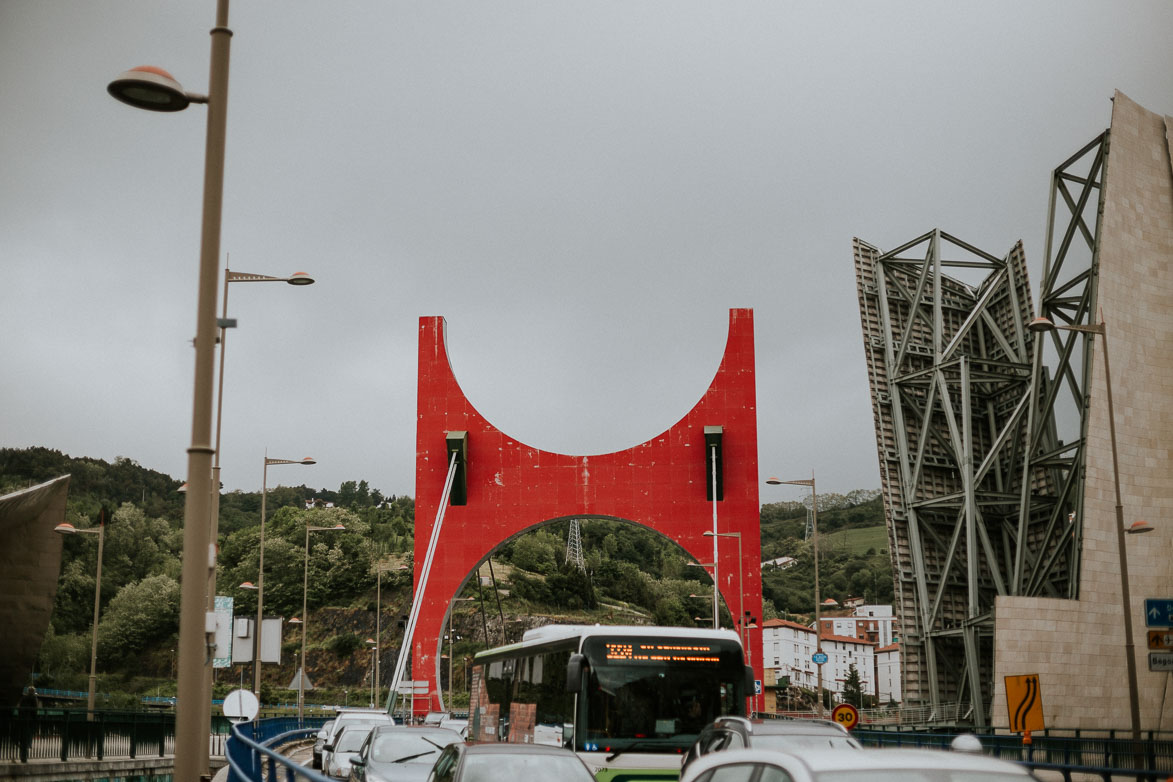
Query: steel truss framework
x=982, y=498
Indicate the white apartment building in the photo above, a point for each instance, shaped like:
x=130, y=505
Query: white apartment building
x=788, y=648
x=888, y=674
x=867, y=622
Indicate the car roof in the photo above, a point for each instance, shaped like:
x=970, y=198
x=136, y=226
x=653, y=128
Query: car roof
x=794, y=727
x=507, y=748
x=431, y=729
x=826, y=760
x=815, y=761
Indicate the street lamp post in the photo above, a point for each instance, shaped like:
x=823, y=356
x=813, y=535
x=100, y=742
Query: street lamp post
x=716, y=589
x=155, y=90
x=740, y=587
x=815, y=546
x=261, y=570
x=1039, y=325
x=373, y=648
x=69, y=529
x=305, y=617
x=299, y=279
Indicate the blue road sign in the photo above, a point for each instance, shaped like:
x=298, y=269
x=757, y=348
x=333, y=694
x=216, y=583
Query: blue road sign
x=1158, y=612
x=819, y=658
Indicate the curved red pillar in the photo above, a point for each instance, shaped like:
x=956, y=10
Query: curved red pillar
x=660, y=484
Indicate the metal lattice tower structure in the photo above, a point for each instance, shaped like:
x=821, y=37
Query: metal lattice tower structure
x=574, y=545
x=982, y=496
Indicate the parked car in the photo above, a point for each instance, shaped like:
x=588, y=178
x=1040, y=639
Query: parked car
x=349, y=717
x=345, y=748
x=458, y=725
x=864, y=765
x=727, y=733
x=509, y=763
x=400, y=753
x=323, y=732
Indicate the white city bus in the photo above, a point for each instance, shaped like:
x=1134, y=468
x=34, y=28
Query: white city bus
x=629, y=700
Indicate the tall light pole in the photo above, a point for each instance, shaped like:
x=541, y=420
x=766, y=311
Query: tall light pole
x=261, y=570
x=374, y=651
x=155, y=90
x=740, y=587
x=815, y=546
x=716, y=589
x=1039, y=325
x=69, y=529
x=305, y=617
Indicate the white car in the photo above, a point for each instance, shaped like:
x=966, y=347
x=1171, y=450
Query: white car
x=861, y=765
x=368, y=717
x=345, y=748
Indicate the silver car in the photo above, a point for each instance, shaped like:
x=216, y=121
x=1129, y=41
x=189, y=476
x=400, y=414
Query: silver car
x=323, y=732
x=788, y=735
x=345, y=748
x=400, y=753
x=369, y=717
x=863, y=765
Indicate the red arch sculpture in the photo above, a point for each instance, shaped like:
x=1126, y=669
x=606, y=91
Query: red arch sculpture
x=661, y=484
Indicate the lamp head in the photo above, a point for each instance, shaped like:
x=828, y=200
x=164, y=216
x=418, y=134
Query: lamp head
x=307, y=460
x=151, y=88
x=1040, y=324
x=1137, y=527
x=248, y=585
x=65, y=528
x=300, y=278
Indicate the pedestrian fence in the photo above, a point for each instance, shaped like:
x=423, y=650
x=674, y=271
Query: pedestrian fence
x=74, y=734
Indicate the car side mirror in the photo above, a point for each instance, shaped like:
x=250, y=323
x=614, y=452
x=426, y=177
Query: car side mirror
x=750, y=680
x=328, y=747
x=357, y=760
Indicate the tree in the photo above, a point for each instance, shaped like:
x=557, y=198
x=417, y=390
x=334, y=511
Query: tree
x=853, y=688
x=141, y=613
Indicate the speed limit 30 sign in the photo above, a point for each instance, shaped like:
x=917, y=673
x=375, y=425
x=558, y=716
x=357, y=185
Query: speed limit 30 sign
x=846, y=715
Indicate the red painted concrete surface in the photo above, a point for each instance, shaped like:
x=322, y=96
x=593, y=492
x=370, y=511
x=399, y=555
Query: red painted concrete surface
x=512, y=487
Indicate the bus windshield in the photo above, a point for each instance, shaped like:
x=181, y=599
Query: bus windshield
x=655, y=694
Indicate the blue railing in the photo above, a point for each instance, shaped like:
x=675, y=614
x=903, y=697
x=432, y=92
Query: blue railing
x=250, y=753
x=1086, y=752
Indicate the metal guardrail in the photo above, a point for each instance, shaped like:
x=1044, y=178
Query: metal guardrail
x=250, y=753
x=68, y=734
x=1067, y=751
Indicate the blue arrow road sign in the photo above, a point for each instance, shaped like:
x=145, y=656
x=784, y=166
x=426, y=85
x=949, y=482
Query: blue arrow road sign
x=1158, y=612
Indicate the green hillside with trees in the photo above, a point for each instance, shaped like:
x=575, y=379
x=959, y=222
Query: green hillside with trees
x=632, y=575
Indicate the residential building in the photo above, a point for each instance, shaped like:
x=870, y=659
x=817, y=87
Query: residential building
x=888, y=674
x=872, y=623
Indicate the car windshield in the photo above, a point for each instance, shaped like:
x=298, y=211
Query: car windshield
x=410, y=746
x=794, y=741
x=918, y=775
x=497, y=766
x=351, y=739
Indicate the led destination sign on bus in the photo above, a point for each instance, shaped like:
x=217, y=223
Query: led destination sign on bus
x=660, y=652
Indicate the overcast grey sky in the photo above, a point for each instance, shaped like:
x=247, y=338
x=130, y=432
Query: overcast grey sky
x=582, y=189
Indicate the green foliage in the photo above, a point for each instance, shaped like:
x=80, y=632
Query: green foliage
x=142, y=613
x=344, y=645
x=853, y=688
